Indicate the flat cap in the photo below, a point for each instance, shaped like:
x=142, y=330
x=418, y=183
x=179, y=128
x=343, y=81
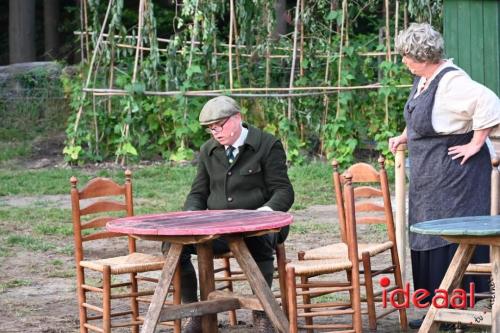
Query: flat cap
x=218, y=108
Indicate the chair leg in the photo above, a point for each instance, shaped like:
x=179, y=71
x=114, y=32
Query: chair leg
x=134, y=305
x=403, y=320
x=106, y=299
x=306, y=299
x=176, y=297
x=281, y=263
x=370, y=299
x=356, y=303
x=291, y=292
x=233, y=321
x=82, y=298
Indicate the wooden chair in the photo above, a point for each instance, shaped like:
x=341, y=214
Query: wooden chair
x=313, y=284
x=372, y=212
x=225, y=275
x=85, y=232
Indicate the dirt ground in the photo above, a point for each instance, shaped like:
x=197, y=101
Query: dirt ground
x=47, y=303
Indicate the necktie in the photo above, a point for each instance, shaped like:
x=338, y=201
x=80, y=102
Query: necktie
x=230, y=154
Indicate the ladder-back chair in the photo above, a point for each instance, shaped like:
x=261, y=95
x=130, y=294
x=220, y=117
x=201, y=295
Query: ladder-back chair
x=87, y=229
x=318, y=289
x=373, y=186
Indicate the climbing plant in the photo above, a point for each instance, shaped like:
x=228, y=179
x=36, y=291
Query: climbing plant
x=126, y=111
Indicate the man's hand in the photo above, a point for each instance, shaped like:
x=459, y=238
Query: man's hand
x=465, y=151
x=396, y=141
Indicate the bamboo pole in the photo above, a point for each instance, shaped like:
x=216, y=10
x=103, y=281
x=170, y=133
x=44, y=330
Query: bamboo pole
x=400, y=218
x=236, y=50
x=268, y=40
x=405, y=15
x=387, y=56
x=294, y=56
x=89, y=74
x=301, y=65
x=231, y=27
x=318, y=90
x=139, y=40
x=396, y=26
x=344, y=13
x=85, y=17
x=246, y=55
x=326, y=100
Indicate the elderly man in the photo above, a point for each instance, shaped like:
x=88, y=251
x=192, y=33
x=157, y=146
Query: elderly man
x=240, y=167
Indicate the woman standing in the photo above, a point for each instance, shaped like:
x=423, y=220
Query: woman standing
x=448, y=119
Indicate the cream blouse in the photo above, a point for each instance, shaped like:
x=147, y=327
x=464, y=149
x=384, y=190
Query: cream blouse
x=462, y=104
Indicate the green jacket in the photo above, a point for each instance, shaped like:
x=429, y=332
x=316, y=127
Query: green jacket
x=258, y=177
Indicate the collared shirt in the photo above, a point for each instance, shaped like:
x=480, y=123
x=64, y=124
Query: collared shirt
x=240, y=141
x=461, y=104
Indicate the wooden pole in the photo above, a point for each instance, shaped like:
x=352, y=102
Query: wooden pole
x=400, y=180
x=344, y=13
x=326, y=100
x=396, y=25
x=301, y=66
x=231, y=27
x=294, y=55
x=89, y=75
x=495, y=183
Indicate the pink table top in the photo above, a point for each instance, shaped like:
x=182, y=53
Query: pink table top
x=200, y=222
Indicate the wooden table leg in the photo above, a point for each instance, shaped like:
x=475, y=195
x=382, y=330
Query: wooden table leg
x=451, y=280
x=161, y=290
x=207, y=282
x=495, y=275
x=258, y=283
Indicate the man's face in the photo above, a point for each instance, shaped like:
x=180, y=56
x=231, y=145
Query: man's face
x=226, y=131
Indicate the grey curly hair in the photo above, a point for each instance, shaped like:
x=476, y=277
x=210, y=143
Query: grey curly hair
x=420, y=42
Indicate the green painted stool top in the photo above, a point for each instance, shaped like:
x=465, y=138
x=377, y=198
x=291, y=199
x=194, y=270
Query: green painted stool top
x=460, y=226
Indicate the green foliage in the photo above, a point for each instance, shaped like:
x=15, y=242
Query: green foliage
x=140, y=125
x=14, y=284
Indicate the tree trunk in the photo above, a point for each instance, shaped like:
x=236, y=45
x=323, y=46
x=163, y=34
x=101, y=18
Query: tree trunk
x=282, y=20
x=21, y=31
x=50, y=22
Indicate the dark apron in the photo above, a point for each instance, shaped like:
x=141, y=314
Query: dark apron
x=439, y=186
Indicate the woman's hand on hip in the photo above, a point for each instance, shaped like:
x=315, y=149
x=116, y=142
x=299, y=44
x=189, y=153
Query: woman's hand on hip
x=465, y=151
x=472, y=148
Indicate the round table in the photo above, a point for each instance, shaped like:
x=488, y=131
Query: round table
x=200, y=228
x=467, y=232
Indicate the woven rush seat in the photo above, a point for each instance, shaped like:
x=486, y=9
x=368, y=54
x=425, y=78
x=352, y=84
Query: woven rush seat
x=131, y=263
x=312, y=267
x=339, y=250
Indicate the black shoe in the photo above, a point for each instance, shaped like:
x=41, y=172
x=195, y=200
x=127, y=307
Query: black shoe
x=192, y=325
x=416, y=323
x=262, y=323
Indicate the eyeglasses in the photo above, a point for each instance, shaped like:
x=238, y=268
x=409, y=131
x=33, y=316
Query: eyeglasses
x=216, y=128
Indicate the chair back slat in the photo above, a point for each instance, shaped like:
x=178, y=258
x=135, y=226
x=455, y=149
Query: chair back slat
x=106, y=192
x=363, y=173
x=99, y=222
x=100, y=235
x=367, y=192
x=101, y=187
x=370, y=220
x=103, y=206
x=363, y=196
x=369, y=207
